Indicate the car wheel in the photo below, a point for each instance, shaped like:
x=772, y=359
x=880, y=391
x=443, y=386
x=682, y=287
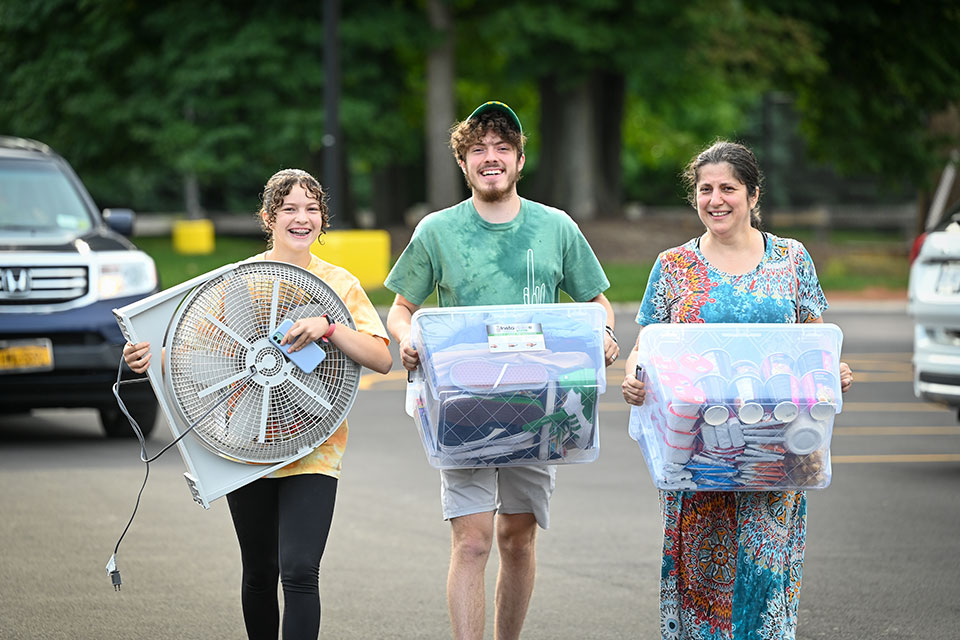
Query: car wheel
x=116, y=425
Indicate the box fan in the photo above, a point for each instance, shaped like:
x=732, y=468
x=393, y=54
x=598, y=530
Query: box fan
x=251, y=408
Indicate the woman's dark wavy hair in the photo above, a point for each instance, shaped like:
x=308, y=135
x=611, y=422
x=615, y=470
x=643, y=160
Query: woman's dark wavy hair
x=278, y=187
x=745, y=167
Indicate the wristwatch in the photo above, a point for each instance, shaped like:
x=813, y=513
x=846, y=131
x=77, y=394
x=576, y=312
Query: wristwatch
x=331, y=327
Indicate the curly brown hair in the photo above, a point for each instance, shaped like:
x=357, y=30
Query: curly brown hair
x=470, y=131
x=278, y=187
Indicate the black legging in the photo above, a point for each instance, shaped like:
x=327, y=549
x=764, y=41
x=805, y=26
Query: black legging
x=282, y=526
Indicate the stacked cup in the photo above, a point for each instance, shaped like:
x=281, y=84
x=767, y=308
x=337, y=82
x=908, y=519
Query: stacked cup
x=681, y=428
x=818, y=383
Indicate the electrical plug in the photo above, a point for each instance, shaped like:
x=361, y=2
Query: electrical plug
x=113, y=572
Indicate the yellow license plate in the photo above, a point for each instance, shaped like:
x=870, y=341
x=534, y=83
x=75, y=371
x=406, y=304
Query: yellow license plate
x=23, y=356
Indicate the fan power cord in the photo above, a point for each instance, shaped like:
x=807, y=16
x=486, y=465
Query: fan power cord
x=112, y=571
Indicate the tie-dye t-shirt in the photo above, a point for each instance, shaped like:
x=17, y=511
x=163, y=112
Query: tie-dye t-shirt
x=474, y=262
x=327, y=458
x=685, y=287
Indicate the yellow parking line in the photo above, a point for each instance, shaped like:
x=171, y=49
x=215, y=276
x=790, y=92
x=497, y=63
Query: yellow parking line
x=370, y=380
x=614, y=406
x=881, y=376
x=889, y=407
x=899, y=457
x=881, y=362
x=896, y=431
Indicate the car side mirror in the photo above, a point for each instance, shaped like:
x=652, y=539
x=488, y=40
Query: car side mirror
x=120, y=220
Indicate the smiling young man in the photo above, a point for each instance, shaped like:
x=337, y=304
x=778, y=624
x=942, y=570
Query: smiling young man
x=494, y=248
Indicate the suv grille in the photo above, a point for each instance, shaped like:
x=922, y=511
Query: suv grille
x=42, y=285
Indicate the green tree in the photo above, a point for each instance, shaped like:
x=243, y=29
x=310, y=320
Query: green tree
x=147, y=99
x=889, y=67
x=627, y=88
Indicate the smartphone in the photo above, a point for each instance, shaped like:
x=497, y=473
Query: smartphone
x=307, y=358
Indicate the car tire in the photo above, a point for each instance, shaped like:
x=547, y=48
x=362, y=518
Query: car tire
x=116, y=425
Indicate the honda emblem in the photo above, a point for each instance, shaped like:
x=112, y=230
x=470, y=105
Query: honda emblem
x=16, y=282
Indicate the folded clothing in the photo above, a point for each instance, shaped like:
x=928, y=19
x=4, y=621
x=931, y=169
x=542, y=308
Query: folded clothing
x=484, y=376
x=473, y=367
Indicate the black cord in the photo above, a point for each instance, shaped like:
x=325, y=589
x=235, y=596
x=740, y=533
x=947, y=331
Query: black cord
x=112, y=571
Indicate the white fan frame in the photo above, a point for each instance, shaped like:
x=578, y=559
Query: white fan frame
x=209, y=475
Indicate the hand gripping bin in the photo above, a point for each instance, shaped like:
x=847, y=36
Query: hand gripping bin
x=508, y=385
x=738, y=407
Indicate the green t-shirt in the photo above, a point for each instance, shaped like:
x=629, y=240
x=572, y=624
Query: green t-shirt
x=474, y=262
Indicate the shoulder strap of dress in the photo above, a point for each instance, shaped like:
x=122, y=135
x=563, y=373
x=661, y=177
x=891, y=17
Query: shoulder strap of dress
x=796, y=277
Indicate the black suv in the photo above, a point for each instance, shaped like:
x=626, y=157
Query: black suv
x=63, y=266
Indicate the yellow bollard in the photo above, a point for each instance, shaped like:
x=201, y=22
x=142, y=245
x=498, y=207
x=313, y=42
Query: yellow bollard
x=193, y=237
x=363, y=252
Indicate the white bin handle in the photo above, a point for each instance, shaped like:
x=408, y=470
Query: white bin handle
x=414, y=391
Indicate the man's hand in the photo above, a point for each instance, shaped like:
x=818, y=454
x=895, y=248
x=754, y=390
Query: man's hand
x=611, y=350
x=409, y=357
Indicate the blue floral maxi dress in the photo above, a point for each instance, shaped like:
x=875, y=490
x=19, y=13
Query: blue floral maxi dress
x=732, y=561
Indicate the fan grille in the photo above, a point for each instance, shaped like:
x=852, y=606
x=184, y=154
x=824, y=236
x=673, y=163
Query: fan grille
x=219, y=346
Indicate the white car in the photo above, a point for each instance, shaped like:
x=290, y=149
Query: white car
x=934, y=304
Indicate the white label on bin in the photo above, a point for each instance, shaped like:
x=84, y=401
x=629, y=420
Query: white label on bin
x=515, y=337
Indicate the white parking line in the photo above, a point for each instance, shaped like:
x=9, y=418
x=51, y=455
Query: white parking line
x=898, y=457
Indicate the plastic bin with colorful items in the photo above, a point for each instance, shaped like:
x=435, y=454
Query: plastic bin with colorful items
x=508, y=385
x=738, y=407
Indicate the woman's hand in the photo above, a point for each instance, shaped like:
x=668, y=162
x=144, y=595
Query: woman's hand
x=846, y=377
x=305, y=331
x=634, y=391
x=137, y=356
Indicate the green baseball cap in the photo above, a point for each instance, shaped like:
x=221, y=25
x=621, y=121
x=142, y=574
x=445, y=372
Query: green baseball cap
x=497, y=106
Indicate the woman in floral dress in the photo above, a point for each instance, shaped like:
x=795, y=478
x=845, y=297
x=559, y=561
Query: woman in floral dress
x=732, y=561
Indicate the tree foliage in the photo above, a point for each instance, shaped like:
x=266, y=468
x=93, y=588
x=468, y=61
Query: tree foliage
x=889, y=66
x=139, y=95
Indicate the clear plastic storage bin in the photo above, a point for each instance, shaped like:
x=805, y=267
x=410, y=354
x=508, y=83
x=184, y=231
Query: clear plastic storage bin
x=738, y=407
x=508, y=385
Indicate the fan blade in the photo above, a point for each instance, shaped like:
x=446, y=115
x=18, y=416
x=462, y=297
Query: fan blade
x=209, y=368
x=227, y=330
x=241, y=416
x=309, y=310
x=218, y=421
x=274, y=304
x=238, y=309
x=264, y=412
x=224, y=383
x=310, y=398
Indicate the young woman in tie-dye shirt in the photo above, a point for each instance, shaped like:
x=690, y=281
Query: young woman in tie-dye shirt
x=282, y=520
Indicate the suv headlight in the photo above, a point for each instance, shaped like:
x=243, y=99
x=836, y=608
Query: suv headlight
x=125, y=273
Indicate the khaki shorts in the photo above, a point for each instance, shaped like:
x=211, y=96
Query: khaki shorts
x=501, y=489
